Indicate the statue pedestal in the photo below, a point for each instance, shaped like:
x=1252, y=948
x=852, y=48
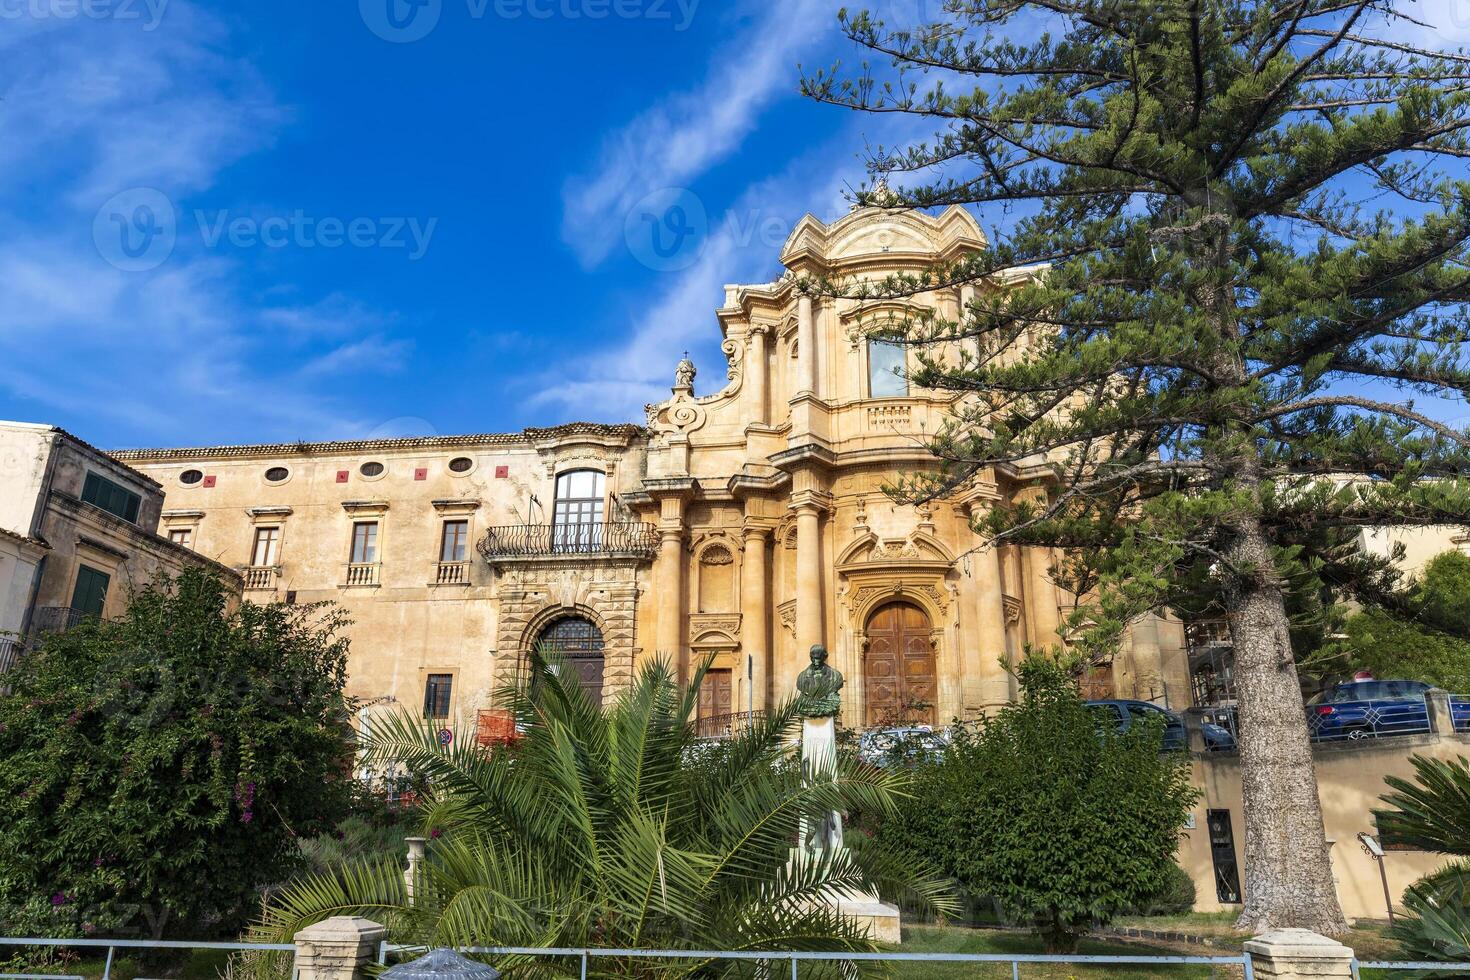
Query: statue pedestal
x=866, y=911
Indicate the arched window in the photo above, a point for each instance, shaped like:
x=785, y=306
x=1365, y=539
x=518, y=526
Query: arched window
x=578, y=643
x=578, y=514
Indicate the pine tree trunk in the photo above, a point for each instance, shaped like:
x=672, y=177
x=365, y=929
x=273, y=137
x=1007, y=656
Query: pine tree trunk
x=1288, y=874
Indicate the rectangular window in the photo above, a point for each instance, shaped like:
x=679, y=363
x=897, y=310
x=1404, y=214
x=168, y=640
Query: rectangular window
x=577, y=518
x=365, y=543
x=456, y=538
x=182, y=536
x=436, y=695
x=90, y=594
x=267, y=546
x=101, y=492
x=887, y=370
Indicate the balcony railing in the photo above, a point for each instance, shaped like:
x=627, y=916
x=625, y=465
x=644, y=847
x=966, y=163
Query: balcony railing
x=9, y=652
x=552, y=540
x=723, y=726
x=362, y=573
x=452, y=573
x=56, y=619
x=260, y=577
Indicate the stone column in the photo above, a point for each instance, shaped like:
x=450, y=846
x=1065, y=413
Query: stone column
x=670, y=578
x=992, y=683
x=1040, y=597
x=338, y=948
x=757, y=375
x=755, y=615
x=806, y=347
x=808, y=577
x=1296, y=954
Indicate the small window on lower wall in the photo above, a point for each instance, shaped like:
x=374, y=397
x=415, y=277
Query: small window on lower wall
x=182, y=536
x=436, y=695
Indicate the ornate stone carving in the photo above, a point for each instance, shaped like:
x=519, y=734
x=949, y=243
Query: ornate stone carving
x=716, y=554
x=684, y=374
x=1012, y=608
x=709, y=631
x=787, y=612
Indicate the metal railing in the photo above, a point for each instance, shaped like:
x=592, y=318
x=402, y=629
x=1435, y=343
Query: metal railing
x=56, y=619
x=9, y=652
x=452, y=573
x=362, y=573
x=583, y=956
x=113, y=945
x=1460, y=712
x=1368, y=719
x=719, y=726
x=551, y=540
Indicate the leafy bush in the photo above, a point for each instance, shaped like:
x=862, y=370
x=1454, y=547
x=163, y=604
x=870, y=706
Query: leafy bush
x=1175, y=897
x=159, y=768
x=1433, y=645
x=1064, y=822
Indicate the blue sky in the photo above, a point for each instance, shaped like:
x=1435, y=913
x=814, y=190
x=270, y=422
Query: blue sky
x=278, y=220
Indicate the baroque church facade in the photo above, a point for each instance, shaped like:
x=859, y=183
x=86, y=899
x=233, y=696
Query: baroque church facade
x=739, y=527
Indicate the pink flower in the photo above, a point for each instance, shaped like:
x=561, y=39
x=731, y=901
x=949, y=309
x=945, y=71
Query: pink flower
x=58, y=899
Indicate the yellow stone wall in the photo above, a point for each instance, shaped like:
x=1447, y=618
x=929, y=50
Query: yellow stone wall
x=768, y=528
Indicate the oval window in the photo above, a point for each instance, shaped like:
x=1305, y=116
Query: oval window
x=371, y=469
x=276, y=474
x=190, y=477
x=461, y=464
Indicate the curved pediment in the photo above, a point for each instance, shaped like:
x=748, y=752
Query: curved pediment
x=870, y=232
x=917, y=549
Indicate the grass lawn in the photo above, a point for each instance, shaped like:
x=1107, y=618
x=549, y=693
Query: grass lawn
x=954, y=939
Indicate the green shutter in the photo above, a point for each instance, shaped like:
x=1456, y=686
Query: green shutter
x=90, y=595
x=102, y=492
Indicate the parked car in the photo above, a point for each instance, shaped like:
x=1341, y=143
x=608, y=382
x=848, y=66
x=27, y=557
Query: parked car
x=900, y=746
x=1123, y=713
x=1362, y=709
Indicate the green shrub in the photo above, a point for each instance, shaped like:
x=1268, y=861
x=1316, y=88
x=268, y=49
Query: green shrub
x=158, y=769
x=1063, y=822
x=1175, y=897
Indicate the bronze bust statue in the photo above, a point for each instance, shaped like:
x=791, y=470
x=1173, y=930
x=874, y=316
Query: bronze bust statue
x=820, y=686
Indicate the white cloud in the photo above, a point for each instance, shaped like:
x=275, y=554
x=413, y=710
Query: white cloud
x=1445, y=24
x=186, y=351
x=675, y=141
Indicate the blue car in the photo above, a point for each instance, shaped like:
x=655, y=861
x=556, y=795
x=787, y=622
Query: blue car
x=1123, y=713
x=1364, y=709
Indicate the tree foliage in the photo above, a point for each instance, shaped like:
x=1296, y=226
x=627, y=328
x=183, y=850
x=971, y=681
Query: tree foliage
x=1432, y=813
x=1433, y=644
x=1064, y=822
x=1239, y=249
x=159, y=768
x=614, y=826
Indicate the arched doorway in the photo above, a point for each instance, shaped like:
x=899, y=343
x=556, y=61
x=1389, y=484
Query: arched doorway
x=578, y=641
x=899, y=676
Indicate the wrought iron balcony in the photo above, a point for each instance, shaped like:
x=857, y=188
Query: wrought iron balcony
x=726, y=725
x=9, y=652
x=56, y=619
x=621, y=539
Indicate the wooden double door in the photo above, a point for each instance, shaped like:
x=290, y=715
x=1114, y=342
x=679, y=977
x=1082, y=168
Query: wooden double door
x=899, y=675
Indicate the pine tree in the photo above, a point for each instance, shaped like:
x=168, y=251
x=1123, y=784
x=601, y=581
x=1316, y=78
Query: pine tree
x=1252, y=217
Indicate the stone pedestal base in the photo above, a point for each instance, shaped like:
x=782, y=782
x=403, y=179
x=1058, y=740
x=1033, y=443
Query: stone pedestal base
x=866, y=911
x=879, y=918
x=1298, y=954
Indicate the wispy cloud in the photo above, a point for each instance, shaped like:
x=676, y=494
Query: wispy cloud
x=188, y=350
x=676, y=140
